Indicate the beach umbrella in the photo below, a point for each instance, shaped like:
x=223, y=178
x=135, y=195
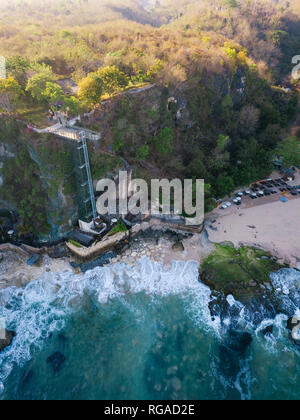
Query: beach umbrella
x=284, y=200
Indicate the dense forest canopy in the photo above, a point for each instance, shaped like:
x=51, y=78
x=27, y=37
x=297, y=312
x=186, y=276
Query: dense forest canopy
x=79, y=31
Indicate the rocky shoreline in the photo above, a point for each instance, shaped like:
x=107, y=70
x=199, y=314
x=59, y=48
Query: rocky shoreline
x=162, y=245
x=14, y=270
x=239, y=272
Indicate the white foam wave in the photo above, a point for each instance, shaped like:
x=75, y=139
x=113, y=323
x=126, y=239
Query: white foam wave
x=41, y=308
x=287, y=282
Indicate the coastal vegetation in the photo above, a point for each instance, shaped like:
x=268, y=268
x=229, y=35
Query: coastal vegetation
x=201, y=89
x=107, y=80
x=289, y=151
x=23, y=189
x=219, y=108
x=120, y=227
x=36, y=173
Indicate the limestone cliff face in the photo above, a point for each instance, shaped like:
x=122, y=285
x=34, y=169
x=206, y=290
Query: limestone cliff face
x=40, y=168
x=55, y=159
x=37, y=171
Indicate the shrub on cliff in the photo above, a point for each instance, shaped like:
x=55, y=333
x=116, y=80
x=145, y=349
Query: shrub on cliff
x=107, y=80
x=289, y=151
x=22, y=187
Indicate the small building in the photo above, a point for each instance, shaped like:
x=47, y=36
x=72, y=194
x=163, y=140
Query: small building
x=82, y=238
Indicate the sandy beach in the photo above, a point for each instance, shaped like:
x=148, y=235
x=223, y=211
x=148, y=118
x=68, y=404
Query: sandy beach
x=273, y=227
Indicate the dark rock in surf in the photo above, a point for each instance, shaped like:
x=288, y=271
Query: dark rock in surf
x=268, y=330
x=219, y=306
x=292, y=323
x=6, y=342
x=56, y=361
x=178, y=247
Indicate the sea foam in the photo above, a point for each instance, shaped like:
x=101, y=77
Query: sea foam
x=42, y=307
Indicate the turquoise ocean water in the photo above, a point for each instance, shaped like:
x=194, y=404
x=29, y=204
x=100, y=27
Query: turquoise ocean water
x=126, y=333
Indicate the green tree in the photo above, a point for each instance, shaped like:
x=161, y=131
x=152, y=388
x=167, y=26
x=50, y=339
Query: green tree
x=196, y=167
x=10, y=92
x=289, y=151
x=142, y=152
x=113, y=79
x=232, y=4
x=37, y=85
x=154, y=70
x=106, y=80
x=224, y=185
x=42, y=68
x=279, y=36
x=222, y=142
x=163, y=141
x=91, y=88
x=53, y=92
x=72, y=104
x=17, y=67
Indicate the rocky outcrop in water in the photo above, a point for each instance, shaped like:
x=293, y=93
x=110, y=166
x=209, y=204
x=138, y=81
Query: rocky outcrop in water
x=243, y=273
x=268, y=330
x=9, y=336
x=240, y=279
x=293, y=325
